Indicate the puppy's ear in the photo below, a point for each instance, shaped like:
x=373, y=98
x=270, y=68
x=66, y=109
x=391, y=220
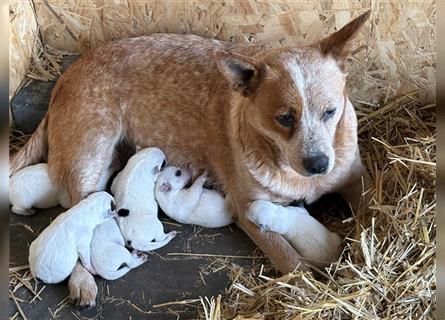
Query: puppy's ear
x=338, y=44
x=156, y=170
x=244, y=74
x=165, y=187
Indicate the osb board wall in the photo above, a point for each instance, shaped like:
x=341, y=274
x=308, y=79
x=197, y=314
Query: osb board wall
x=22, y=41
x=394, y=54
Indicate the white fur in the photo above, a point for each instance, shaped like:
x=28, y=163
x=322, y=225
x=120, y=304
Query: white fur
x=195, y=205
x=54, y=253
x=31, y=188
x=109, y=257
x=310, y=238
x=133, y=190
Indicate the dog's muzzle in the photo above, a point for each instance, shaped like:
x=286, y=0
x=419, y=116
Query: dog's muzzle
x=316, y=164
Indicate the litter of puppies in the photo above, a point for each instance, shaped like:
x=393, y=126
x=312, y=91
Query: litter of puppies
x=137, y=189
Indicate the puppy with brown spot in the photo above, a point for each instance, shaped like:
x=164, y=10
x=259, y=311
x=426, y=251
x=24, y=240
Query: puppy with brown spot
x=195, y=205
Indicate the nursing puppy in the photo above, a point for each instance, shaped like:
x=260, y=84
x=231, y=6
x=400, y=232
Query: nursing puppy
x=137, y=210
x=31, y=187
x=109, y=257
x=310, y=238
x=270, y=124
x=54, y=253
x=195, y=205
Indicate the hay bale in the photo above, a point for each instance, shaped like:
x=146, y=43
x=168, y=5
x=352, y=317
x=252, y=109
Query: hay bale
x=22, y=42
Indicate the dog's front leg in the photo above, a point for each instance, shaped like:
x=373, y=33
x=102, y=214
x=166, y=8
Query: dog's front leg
x=355, y=190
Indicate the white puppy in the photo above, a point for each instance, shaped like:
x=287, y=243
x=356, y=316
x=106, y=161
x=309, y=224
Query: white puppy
x=31, y=188
x=54, y=253
x=310, y=238
x=195, y=205
x=133, y=190
x=109, y=257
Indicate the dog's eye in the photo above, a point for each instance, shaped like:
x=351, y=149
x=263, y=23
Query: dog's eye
x=328, y=114
x=286, y=120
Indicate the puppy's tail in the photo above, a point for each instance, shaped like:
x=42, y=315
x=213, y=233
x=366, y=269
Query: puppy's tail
x=33, y=151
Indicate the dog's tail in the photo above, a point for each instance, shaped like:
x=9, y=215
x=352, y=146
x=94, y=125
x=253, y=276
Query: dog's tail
x=33, y=151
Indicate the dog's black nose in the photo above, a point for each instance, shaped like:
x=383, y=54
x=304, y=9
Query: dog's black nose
x=317, y=164
x=178, y=173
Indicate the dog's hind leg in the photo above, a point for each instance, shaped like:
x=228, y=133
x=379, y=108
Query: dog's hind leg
x=79, y=169
x=77, y=157
x=83, y=289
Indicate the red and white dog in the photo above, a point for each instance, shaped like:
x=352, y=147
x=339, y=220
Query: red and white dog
x=271, y=125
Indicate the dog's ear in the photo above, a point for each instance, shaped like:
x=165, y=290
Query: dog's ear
x=244, y=74
x=165, y=187
x=338, y=44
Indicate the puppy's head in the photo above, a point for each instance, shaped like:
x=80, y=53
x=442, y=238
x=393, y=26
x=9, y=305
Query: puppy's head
x=103, y=204
x=157, y=159
x=172, y=178
x=291, y=101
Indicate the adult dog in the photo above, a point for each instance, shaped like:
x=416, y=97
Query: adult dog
x=266, y=124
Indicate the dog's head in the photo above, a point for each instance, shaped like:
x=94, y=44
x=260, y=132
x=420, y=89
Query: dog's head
x=292, y=100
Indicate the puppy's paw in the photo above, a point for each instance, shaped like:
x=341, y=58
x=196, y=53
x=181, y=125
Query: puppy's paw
x=143, y=257
x=23, y=211
x=171, y=235
x=203, y=177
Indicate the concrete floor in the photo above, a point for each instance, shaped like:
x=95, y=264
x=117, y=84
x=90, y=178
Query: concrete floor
x=166, y=277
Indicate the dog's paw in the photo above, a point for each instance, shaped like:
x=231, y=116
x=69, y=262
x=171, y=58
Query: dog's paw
x=82, y=288
x=83, y=295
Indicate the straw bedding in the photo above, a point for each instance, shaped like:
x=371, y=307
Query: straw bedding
x=387, y=269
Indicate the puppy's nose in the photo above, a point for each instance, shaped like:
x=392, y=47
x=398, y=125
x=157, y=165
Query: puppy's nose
x=178, y=173
x=317, y=164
